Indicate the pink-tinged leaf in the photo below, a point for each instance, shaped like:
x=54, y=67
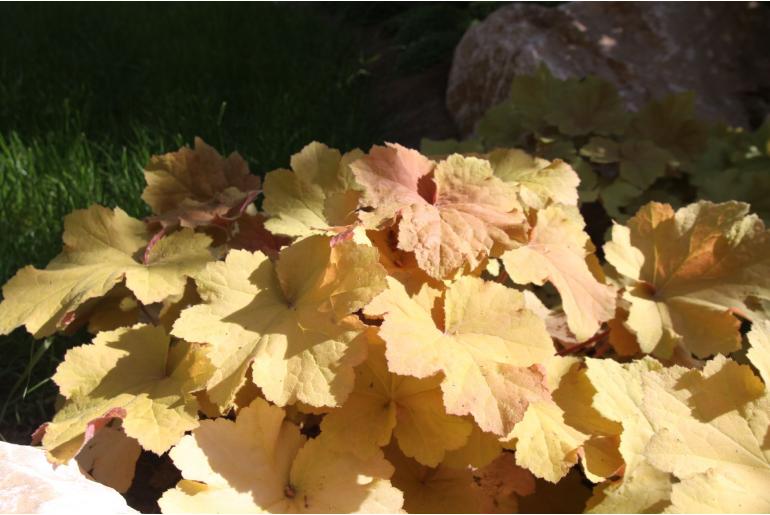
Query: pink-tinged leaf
x=449, y=214
x=97, y=424
x=37, y=435
x=198, y=187
x=344, y=234
x=558, y=251
x=153, y=241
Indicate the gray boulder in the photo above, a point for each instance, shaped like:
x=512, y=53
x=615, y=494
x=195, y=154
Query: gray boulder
x=719, y=50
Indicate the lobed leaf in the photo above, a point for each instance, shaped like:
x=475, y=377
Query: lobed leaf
x=557, y=251
x=688, y=271
x=101, y=248
x=450, y=214
x=132, y=374
x=488, y=356
x=383, y=404
x=318, y=195
x=288, y=321
x=277, y=470
x=197, y=187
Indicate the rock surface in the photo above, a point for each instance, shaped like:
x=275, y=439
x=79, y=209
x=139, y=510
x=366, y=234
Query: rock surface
x=718, y=50
x=29, y=484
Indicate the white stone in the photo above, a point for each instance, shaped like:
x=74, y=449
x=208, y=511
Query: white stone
x=30, y=484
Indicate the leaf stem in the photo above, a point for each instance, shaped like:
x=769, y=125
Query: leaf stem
x=147, y=313
x=582, y=345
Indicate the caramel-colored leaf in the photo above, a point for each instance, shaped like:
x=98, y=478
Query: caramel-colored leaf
x=191, y=178
x=687, y=271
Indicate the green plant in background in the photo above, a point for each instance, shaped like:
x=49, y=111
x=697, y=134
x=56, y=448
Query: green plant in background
x=662, y=152
x=736, y=165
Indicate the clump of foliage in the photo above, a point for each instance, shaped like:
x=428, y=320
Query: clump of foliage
x=87, y=96
x=393, y=332
x=663, y=152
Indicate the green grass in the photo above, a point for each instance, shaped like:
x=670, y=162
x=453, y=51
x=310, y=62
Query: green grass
x=89, y=92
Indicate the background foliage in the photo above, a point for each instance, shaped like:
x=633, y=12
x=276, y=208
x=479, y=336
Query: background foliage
x=663, y=152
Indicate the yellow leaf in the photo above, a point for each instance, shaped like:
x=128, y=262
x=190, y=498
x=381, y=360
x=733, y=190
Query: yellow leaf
x=600, y=455
x=450, y=219
x=120, y=308
x=545, y=444
x=538, y=182
x=482, y=350
x=110, y=458
x=711, y=492
x=552, y=435
x=619, y=398
x=688, y=271
x=600, y=458
x=100, y=249
x=167, y=266
x=707, y=428
x=435, y=490
x=575, y=395
x=289, y=321
x=133, y=371
x=318, y=194
x=759, y=353
x=558, y=368
x=384, y=404
x=711, y=433
x=117, y=308
x=644, y=489
x=276, y=470
x=480, y=450
x=557, y=252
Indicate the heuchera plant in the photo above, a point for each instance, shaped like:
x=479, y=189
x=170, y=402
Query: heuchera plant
x=394, y=332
